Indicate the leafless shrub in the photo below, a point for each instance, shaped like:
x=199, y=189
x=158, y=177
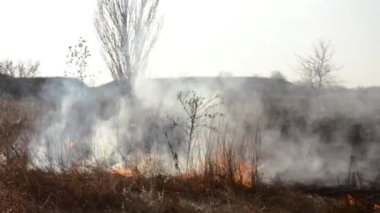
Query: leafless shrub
x=19, y=69
x=317, y=69
x=77, y=61
x=199, y=111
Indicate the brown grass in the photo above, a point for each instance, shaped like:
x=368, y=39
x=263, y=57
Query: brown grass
x=26, y=190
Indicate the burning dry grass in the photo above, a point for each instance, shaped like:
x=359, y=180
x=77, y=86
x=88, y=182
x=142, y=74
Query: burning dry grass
x=223, y=186
x=24, y=190
x=361, y=201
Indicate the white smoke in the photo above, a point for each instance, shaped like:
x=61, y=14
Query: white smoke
x=304, y=136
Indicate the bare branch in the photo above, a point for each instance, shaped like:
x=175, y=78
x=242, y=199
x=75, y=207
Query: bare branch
x=20, y=69
x=317, y=69
x=128, y=30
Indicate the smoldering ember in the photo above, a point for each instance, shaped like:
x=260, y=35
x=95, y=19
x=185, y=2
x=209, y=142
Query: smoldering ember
x=248, y=130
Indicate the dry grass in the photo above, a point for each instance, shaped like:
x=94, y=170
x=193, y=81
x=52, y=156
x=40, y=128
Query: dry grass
x=26, y=190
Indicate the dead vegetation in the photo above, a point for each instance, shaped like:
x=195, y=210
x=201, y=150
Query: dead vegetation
x=214, y=190
x=24, y=190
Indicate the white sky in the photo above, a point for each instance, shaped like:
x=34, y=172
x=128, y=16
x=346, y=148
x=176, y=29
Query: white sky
x=206, y=37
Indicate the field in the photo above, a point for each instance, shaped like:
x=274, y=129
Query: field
x=228, y=178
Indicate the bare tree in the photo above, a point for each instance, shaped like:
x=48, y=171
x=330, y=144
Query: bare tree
x=128, y=30
x=317, y=69
x=77, y=61
x=19, y=69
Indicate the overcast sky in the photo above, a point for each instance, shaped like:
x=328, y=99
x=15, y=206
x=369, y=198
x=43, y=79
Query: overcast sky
x=207, y=37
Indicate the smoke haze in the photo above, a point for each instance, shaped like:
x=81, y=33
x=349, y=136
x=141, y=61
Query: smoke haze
x=304, y=136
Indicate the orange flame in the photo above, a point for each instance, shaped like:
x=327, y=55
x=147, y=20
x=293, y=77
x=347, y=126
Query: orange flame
x=376, y=207
x=71, y=144
x=244, y=174
x=353, y=202
x=125, y=172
